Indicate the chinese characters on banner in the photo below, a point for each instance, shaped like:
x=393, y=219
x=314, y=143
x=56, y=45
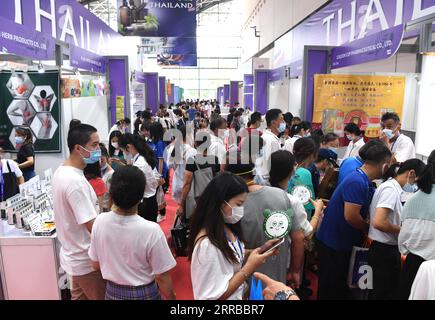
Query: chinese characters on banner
x=120, y=103
x=342, y=99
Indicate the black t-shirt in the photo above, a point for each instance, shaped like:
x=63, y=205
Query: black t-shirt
x=26, y=151
x=206, y=162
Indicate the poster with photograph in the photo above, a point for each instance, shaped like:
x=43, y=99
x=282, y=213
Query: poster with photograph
x=30, y=99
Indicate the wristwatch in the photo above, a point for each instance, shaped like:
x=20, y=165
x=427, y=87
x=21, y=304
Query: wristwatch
x=284, y=295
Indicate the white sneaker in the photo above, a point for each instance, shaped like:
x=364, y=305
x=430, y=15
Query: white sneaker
x=160, y=218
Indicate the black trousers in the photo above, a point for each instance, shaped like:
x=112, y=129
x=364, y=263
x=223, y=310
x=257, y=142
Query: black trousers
x=407, y=277
x=385, y=261
x=148, y=209
x=333, y=271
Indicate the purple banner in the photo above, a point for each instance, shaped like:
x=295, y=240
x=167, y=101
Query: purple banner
x=226, y=93
x=261, y=91
x=221, y=96
x=171, y=98
x=345, y=21
x=317, y=64
x=162, y=90
x=65, y=20
x=152, y=91
x=157, y=18
x=117, y=80
x=21, y=41
x=234, y=92
x=277, y=74
x=376, y=47
x=83, y=59
x=248, y=87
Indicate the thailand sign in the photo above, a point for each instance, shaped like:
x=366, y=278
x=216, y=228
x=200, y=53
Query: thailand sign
x=344, y=22
x=62, y=20
x=157, y=18
x=341, y=99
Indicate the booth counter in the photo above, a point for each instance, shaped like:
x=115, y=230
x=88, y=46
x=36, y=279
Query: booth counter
x=28, y=265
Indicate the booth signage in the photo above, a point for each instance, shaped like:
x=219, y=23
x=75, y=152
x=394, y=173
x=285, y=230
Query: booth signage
x=379, y=46
x=31, y=100
x=342, y=99
x=83, y=59
x=345, y=21
x=19, y=40
x=64, y=20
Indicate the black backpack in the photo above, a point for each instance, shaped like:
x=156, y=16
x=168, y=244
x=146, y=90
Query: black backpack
x=10, y=186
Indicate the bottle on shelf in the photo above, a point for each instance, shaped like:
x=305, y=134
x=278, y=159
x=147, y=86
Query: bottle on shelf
x=125, y=14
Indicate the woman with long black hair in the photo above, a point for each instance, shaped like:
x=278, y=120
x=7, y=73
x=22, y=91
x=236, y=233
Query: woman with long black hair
x=143, y=157
x=220, y=265
x=115, y=153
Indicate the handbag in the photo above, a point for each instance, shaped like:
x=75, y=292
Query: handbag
x=359, y=260
x=180, y=236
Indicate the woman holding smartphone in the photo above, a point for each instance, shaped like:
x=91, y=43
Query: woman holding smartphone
x=220, y=265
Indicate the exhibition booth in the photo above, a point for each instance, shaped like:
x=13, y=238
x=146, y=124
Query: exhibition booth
x=352, y=62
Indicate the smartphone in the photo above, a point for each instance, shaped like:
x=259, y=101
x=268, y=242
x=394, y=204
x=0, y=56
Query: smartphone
x=276, y=245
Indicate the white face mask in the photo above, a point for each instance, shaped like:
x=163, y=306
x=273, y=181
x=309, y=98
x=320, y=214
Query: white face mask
x=236, y=214
x=115, y=145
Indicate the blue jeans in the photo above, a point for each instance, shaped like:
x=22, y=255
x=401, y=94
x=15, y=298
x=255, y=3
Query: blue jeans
x=28, y=175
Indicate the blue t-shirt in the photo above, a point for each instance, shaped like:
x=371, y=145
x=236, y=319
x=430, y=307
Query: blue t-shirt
x=348, y=166
x=159, y=149
x=192, y=113
x=335, y=232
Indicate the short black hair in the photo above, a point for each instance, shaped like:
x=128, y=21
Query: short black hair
x=374, y=151
x=353, y=128
x=217, y=123
x=297, y=128
x=330, y=137
x=127, y=187
x=73, y=123
x=288, y=118
x=391, y=116
x=272, y=115
x=255, y=117
x=281, y=166
x=80, y=135
x=303, y=148
x=127, y=120
x=104, y=151
x=92, y=171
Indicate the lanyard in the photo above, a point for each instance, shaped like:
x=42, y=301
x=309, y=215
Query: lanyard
x=2, y=182
x=137, y=157
x=393, y=144
x=240, y=254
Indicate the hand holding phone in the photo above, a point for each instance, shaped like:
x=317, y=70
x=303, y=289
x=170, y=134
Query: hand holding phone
x=271, y=245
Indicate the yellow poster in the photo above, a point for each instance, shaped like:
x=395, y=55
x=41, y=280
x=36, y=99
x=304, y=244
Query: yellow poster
x=342, y=99
x=120, y=107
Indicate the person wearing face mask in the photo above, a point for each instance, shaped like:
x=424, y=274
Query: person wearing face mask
x=345, y=222
x=305, y=151
x=116, y=155
x=275, y=126
x=400, y=145
x=385, y=214
x=220, y=264
x=325, y=159
x=297, y=131
x=26, y=152
x=418, y=229
x=142, y=156
x=356, y=137
x=259, y=200
x=121, y=125
x=75, y=209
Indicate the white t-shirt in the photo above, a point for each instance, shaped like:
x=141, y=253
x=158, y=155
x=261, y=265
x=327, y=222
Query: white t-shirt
x=271, y=145
x=107, y=176
x=403, y=149
x=150, y=175
x=301, y=217
x=423, y=287
x=14, y=167
x=289, y=144
x=353, y=149
x=131, y=250
x=179, y=170
x=75, y=203
x=387, y=196
x=217, y=148
x=211, y=272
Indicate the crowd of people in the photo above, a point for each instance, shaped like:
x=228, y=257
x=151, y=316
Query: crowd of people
x=230, y=173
